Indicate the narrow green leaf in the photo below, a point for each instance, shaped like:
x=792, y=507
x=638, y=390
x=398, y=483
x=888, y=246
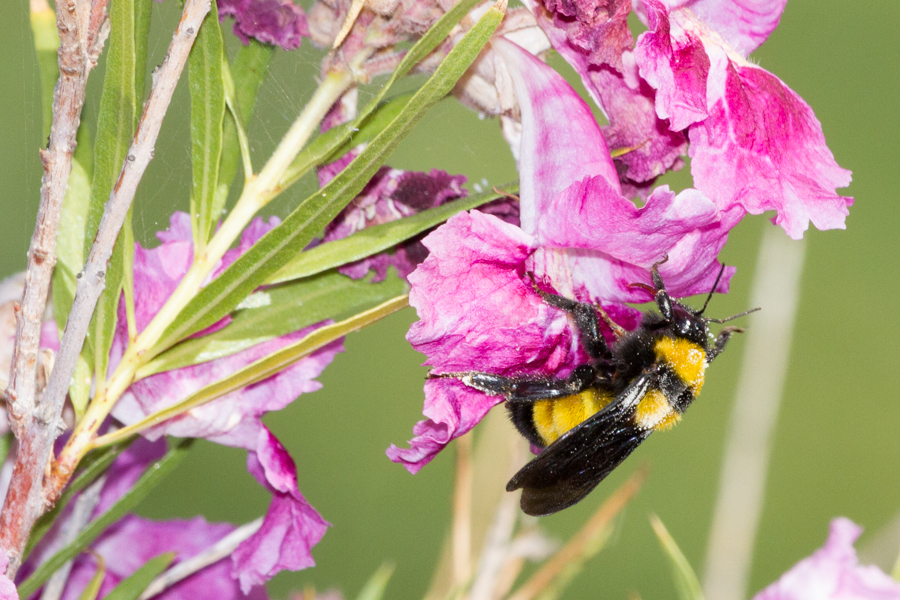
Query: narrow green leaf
x=207, y=91
x=5, y=444
x=127, y=237
x=92, y=589
x=70, y=243
x=141, y=41
x=337, y=141
x=378, y=238
x=277, y=311
x=151, y=477
x=248, y=71
x=336, y=137
x=685, y=579
x=261, y=369
x=134, y=585
x=374, y=588
x=93, y=465
x=46, y=42
x=115, y=129
x=287, y=240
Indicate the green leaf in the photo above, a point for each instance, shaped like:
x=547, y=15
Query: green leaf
x=378, y=238
x=115, y=129
x=70, y=243
x=207, y=91
x=374, y=588
x=337, y=141
x=685, y=579
x=141, y=41
x=5, y=444
x=93, y=465
x=336, y=137
x=151, y=477
x=92, y=589
x=46, y=43
x=277, y=311
x=287, y=240
x=133, y=586
x=263, y=368
x=248, y=71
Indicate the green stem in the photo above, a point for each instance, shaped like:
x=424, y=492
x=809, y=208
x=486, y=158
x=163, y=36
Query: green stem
x=258, y=191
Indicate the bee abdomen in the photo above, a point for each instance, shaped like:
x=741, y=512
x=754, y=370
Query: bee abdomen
x=551, y=418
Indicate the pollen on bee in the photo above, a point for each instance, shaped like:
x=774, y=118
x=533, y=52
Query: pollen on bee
x=686, y=358
x=655, y=412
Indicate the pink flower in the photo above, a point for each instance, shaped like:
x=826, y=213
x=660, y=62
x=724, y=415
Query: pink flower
x=132, y=541
x=754, y=142
x=833, y=573
x=292, y=526
x=579, y=237
x=7, y=587
x=593, y=37
x=277, y=22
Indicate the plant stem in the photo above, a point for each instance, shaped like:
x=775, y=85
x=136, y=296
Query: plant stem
x=92, y=280
x=258, y=191
x=81, y=40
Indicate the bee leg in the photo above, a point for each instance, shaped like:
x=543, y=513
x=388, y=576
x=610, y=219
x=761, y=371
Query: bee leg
x=585, y=316
x=722, y=339
x=528, y=389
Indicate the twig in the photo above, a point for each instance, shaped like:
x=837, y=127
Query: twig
x=213, y=554
x=93, y=279
x=24, y=500
x=80, y=516
x=739, y=504
x=575, y=548
x=82, y=30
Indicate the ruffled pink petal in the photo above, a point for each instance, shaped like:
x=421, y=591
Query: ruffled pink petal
x=743, y=24
x=131, y=542
x=680, y=91
x=627, y=102
x=277, y=22
x=291, y=526
x=763, y=148
x=477, y=311
x=619, y=242
x=599, y=28
x=452, y=409
x=834, y=573
x=476, y=305
x=551, y=157
x=754, y=142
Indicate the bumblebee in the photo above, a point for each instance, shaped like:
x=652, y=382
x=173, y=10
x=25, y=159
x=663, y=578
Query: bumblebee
x=589, y=422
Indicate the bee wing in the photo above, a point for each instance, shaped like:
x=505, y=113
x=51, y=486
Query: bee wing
x=569, y=468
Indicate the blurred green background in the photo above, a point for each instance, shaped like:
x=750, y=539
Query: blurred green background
x=836, y=445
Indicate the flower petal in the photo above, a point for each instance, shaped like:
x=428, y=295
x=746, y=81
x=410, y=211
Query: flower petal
x=390, y=195
x=763, y=148
x=627, y=102
x=291, y=526
x=131, y=542
x=833, y=572
x=754, y=142
x=551, y=156
x=743, y=24
x=277, y=22
x=7, y=587
x=477, y=311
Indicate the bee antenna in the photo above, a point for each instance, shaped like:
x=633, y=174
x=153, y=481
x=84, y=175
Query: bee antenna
x=732, y=317
x=713, y=290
